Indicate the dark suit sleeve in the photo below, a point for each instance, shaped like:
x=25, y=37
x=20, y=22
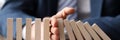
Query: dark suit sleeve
x=15, y=9
x=110, y=25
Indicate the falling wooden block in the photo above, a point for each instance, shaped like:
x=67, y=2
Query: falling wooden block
x=100, y=32
x=28, y=28
x=45, y=29
x=19, y=29
x=69, y=30
x=10, y=29
x=61, y=29
x=91, y=31
x=84, y=32
x=76, y=30
x=37, y=29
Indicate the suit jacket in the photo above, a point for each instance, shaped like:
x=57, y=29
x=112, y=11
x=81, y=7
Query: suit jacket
x=106, y=13
x=100, y=14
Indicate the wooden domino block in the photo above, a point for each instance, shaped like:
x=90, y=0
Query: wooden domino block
x=19, y=29
x=28, y=28
x=100, y=32
x=84, y=32
x=45, y=29
x=37, y=29
x=76, y=30
x=10, y=29
x=91, y=31
x=69, y=30
x=61, y=29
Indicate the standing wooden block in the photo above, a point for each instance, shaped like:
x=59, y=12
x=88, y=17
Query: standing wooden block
x=76, y=30
x=84, y=32
x=37, y=29
x=28, y=28
x=69, y=30
x=100, y=32
x=61, y=29
x=91, y=31
x=19, y=29
x=10, y=29
x=45, y=29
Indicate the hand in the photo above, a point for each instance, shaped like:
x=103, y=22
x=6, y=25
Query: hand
x=54, y=34
x=61, y=14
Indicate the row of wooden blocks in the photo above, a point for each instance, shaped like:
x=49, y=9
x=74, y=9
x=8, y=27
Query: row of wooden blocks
x=75, y=30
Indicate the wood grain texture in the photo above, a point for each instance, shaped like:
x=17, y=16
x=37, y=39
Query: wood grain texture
x=100, y=32
x=10, y=29
x=91, y=31
x=28, y=28
x=19, y=29
x=69, y=30
x=76, y=30
x=84, y=32
x=45, y=29
x=61, y=29
x=37, y=29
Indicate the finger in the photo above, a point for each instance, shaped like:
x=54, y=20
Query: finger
x=54, y=21
x=55, y=31
x=64, y=13
x=55, y=37
x=50, y=38
x=33, y=32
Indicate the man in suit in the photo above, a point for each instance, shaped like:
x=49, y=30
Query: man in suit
x=104, y=13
